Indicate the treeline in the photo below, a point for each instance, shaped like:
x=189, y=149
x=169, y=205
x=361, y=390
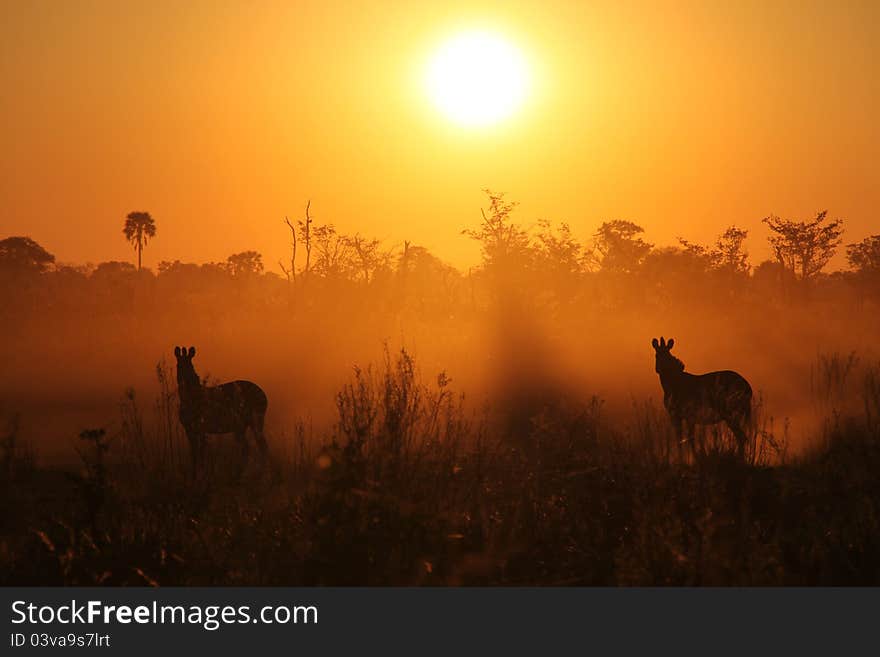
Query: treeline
x=614, y=268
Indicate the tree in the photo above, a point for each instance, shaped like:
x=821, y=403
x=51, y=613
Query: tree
x=618, y=247
x=301, y=231
x=420, y=271
x=246, y=263
x=113, y=270
x=804, y=247
x=864, y=256
x=22, y=255
x=176, y=268
x=503, y=243
x=729, y=252
x=557, y=249
x=703, y=255
x=367, y=257
x=419, y=263
x=139, y=227
x=677, y=275
x=333, y=252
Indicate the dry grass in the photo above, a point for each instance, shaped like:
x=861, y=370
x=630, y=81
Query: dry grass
x=411, y=489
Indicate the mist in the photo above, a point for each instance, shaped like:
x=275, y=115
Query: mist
x=548, y=318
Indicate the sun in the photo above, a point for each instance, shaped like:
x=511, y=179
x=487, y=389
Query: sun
x=477, y=78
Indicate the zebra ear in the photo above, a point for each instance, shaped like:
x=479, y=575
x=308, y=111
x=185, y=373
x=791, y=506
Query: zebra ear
x=670, y=343
x=655, y=344
x=192, y=352
x=177, y=352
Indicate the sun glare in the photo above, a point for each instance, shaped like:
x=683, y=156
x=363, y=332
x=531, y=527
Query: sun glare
x=477, y=78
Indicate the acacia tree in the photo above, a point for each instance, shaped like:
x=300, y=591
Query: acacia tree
x=503, y=243
x=805, y=247
x=139, y=227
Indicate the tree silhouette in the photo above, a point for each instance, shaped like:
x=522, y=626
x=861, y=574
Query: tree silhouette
x=864, y=256
x=618, y=247
x=333, y=250
x=24, y=256
x=696, y=253
x=246, y=263
x=727, y=255
x=301, y=232
x=730, y=252
x=805, y=247
x=502, y=242
x=113, y=270
x=139, y=227
x=557, y=249
x=367, y=256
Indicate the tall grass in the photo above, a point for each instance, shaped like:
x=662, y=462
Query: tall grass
x=409, y=488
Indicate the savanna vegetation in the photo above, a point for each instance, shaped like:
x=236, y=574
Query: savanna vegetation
x=502, y=425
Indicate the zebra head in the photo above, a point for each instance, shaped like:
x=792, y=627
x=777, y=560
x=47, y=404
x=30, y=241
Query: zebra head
x=666, y=363
x=187, y=379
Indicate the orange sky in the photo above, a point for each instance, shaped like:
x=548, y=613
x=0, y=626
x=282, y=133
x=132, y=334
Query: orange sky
x=219, y=118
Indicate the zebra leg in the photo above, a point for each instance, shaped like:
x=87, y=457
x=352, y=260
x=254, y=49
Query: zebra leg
x=241, y=439
x=736, y=426
x=695, y=441
x=678, y=427
x=740, y=422
x=195, y=448
x=257, y=428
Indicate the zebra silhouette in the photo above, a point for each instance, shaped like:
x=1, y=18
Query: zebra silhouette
x=232, y=407
x=692, y=399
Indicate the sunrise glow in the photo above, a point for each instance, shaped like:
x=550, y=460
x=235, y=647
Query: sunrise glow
x=477, y=79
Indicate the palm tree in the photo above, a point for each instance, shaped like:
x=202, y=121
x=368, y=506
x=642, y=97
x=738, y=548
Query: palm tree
x=139, y=227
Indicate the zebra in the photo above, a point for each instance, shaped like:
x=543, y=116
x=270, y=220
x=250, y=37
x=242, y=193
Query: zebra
x=227, y=408
x=692, y=399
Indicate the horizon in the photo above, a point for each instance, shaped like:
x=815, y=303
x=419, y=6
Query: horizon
x=394, y=248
